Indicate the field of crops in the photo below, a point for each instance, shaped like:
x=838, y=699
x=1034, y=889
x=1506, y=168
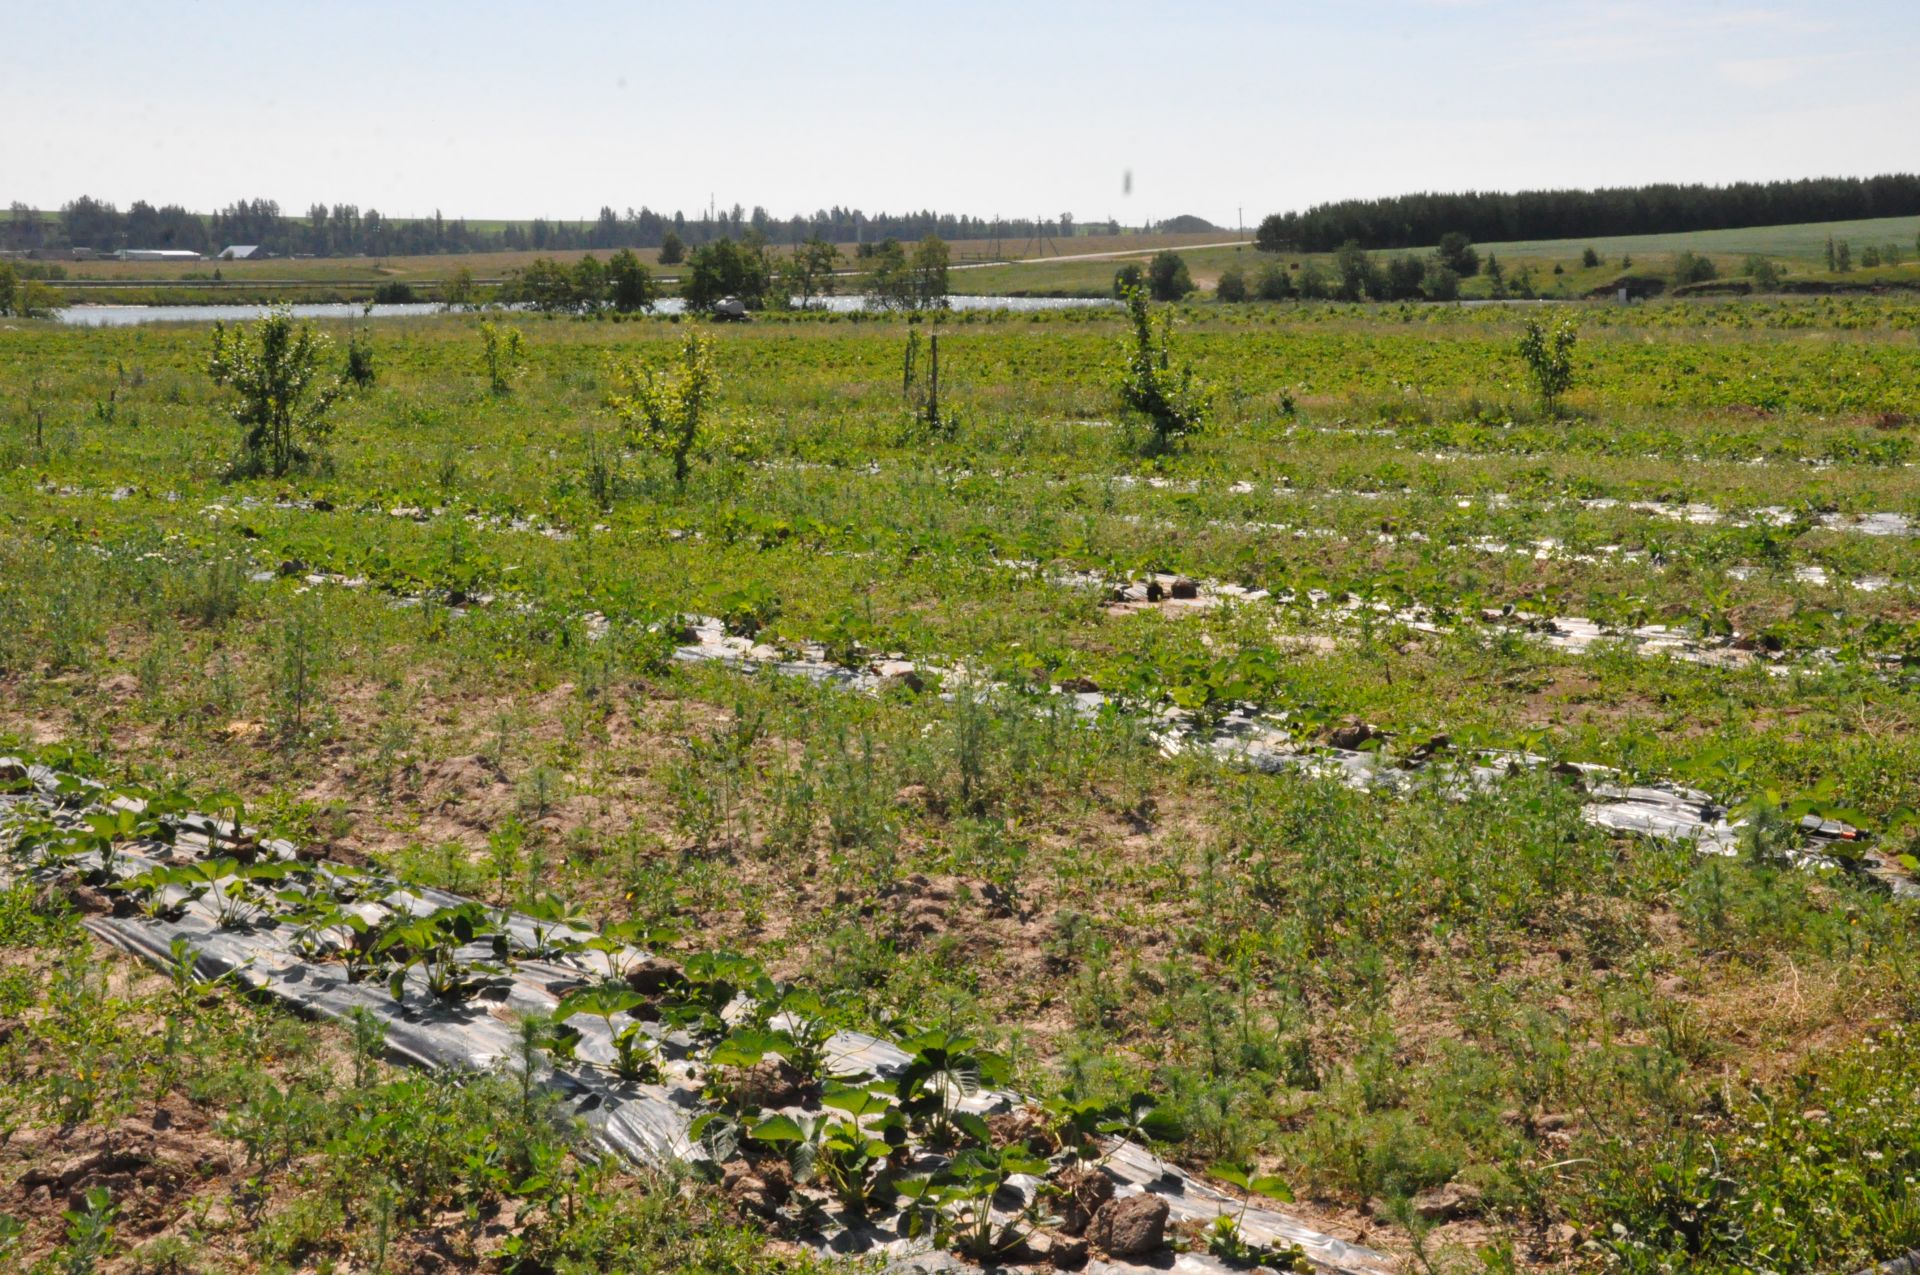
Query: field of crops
x=1466, y=836
x=437, y=268
x=1555, y=265
x=1804, y=242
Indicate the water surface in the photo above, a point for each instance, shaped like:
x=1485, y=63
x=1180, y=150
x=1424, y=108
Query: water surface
x=113, y=316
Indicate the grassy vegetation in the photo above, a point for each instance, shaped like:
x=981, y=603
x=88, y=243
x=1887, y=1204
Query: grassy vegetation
x=1805, y=242
x=442, y=649
x=163, y=1124
x=1799, y=248
x=1020, y=268
x=354, y=278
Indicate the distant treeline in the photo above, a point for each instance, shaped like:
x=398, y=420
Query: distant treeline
x=1418, y=221
x=340, y=230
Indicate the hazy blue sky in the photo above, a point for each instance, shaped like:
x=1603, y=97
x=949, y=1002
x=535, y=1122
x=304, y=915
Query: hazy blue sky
x=526, y=109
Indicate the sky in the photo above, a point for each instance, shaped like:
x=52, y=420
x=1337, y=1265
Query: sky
x=1120, y=110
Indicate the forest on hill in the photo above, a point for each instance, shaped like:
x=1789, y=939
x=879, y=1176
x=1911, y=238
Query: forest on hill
x=1419, y=220
x=342, y=230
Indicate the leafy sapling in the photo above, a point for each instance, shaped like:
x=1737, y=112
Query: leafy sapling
x=663, y=409
x=503, y=355
x=1548, y=355
x=1172, y=402
x=274, y=369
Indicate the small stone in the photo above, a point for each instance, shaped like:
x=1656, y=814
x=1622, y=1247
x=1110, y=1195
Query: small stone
x=1445, y=1203
x=1184, y=589
x=1350, y=735
x=909, y=681
x=1067, y=1253
x=1552, y=1122
x=90, y=901
x=1129, y=1227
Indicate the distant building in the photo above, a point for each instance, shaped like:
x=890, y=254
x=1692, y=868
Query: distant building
x=242, y=252
x=157, y=254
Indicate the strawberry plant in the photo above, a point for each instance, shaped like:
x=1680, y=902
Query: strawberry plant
x=944, y=1070
x=842, y=1153
x=1225, y=1238
x=962, y=1195
x=636, y=1056
x=434, y=946
x=551, y=914
x=620, y=944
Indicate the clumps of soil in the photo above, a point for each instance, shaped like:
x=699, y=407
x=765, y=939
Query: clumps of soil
x=1086, y=1191
x=979, y=920
x=152, y=1163
x=1130, y=1226
x=757, y=1189
x=770, y=1085
x=468, y=789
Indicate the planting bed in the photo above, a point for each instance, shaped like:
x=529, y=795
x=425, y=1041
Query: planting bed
x=1492, y=829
